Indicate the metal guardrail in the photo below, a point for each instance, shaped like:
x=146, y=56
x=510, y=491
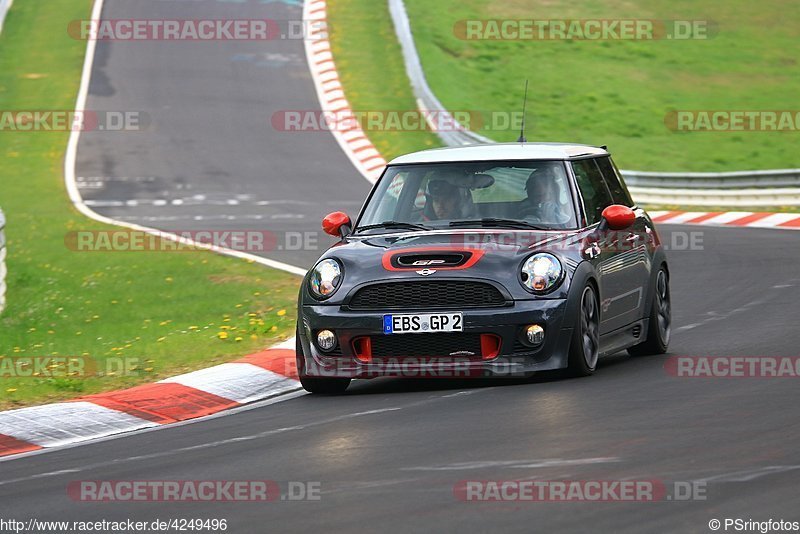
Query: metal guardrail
x=5, y=5
x=710, y=180
x=426, y=100
x=3, y=269
x=747, y=188
x=743, y=189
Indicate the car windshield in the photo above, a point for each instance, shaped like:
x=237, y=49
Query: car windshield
x=510, y=194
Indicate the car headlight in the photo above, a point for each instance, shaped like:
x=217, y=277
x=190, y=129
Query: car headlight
x=541, y=273
x=326, y=277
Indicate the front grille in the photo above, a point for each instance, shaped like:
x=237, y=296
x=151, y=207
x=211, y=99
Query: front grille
x=428, y=294
x=427, y=346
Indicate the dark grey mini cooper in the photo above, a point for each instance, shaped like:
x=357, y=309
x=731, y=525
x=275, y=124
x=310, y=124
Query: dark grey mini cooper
x=495, y=260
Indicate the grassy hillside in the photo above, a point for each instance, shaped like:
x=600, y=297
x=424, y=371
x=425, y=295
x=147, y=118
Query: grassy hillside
x=619, y=92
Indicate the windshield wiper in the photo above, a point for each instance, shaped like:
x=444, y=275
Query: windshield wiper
x=393, y=224
x=498, y=223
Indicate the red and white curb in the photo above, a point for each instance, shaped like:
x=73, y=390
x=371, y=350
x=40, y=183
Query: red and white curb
x=253, y=378
x=354, y=142
x=729, y=218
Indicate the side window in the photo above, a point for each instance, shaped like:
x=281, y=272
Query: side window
x=595, y=195
x=619, y=193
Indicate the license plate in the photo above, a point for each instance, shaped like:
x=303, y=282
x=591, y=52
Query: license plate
x=423, y=324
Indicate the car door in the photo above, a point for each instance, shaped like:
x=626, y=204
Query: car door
x=638, y=238
x=621, y=291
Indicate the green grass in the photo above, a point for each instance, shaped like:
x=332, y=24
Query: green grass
x=370, y=65
x=619, y=92
x=164, y=311
x=598, y=92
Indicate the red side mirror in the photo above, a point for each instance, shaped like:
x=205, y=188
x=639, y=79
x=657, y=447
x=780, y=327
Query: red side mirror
x=619, y=217
x=333, y=223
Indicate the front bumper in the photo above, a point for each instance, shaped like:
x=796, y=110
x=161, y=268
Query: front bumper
x=505, y=324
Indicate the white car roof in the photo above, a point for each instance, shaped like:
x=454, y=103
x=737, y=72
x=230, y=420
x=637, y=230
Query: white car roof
x=500, y=152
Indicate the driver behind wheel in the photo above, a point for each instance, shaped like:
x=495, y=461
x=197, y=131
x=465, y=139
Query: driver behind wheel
x=445, y=200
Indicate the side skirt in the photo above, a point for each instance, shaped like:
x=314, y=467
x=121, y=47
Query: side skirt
x=623, y=338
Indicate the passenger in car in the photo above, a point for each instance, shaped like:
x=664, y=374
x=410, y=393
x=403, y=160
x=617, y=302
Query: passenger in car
x=542, y=203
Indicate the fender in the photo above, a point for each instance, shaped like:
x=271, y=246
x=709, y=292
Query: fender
x=659, y=259
x=583, y=273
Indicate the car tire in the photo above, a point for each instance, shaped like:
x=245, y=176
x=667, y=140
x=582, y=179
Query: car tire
x=317, y=385
x=659, y=325
x=584, y=349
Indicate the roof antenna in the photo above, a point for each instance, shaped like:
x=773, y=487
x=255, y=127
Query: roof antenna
x=522, y=138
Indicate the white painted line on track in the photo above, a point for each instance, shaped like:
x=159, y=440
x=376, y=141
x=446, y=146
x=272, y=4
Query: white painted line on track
x=70, y=160
x=515, y=464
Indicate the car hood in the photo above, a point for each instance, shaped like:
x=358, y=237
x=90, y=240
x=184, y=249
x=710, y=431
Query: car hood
x=494, y=255
x=501, y=241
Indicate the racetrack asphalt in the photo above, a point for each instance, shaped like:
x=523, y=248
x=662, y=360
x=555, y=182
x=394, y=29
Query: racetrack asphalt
x=207, y=156
x=388, y=453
